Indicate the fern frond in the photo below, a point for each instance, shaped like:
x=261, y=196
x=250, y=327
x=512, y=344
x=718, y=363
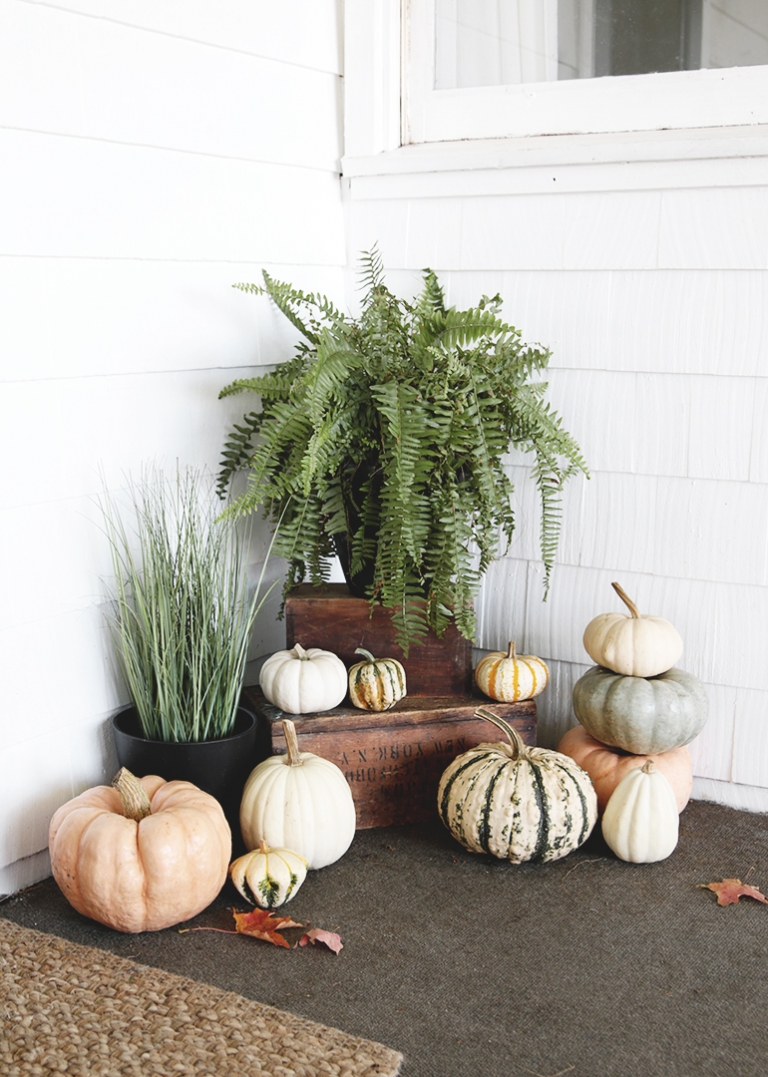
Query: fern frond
x=393, y=428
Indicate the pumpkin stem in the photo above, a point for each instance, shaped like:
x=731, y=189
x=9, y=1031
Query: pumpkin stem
x=133, y=795
x=515, y=740
x=649, y=768
x=292, y=744
x=626, y=599
x=366, y=654
x=301, y=653
x=263, y=847
x=512, y=651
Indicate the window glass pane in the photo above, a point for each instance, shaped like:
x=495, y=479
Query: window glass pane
x=503, y=42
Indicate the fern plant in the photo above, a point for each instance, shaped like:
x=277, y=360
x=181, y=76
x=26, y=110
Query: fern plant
x=385, y=436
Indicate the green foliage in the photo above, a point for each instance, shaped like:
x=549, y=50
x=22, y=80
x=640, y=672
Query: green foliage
x=182, y=617
x=393, y=428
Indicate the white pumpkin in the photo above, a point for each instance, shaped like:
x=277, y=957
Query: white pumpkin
x=298, y=801
x=636, y=645
x=268, y=877
x=303, y=682
x=641, y=822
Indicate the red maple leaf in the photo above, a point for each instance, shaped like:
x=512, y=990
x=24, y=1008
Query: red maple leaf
x=730, y=890
x=328, y=938
x=263, y=925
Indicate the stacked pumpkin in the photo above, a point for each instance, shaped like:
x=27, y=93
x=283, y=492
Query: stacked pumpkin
x=637, y=712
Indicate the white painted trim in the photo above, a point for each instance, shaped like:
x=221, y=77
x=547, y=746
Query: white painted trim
x=569, y=163
x=372, y=76
x=741, y=797
x=25, y=872
x=664, y=100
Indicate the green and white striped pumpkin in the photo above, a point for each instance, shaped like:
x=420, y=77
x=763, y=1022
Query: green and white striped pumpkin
x=268, y=877
x=376, y=684
x=515, y=802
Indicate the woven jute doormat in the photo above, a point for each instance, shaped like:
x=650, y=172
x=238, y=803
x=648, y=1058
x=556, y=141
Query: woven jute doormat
x=73, y=1009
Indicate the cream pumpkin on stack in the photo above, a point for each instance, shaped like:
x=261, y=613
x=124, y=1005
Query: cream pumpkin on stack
x=635, y=705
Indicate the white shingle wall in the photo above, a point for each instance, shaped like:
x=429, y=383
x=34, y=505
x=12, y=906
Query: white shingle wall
x=653, y=302
x=152, y=155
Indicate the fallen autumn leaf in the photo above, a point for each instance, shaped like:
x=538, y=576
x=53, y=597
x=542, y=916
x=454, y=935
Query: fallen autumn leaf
x=328, y=938
x=261, y=924
x=730, y=890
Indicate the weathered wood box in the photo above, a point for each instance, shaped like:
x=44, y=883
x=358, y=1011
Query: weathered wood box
x=393, y=760
x=331, y=619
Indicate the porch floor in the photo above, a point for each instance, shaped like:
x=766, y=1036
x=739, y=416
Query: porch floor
x=472, y=966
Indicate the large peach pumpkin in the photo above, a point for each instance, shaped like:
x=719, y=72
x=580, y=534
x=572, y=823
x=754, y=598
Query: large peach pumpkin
x=142, y=856
x=606, y=766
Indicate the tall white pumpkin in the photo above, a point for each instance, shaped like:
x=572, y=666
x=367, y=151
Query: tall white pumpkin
x=641, y=821
x=298, y=801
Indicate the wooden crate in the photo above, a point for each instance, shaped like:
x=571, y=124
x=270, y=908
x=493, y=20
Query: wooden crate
x=393, y=760
x=330, y=618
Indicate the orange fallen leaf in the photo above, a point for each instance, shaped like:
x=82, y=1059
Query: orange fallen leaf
x=328, y=938
x=730, y=890
x=261, y=924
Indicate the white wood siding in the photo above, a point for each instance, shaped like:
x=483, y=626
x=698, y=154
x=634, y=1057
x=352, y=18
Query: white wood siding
x=653, y=297
x=152, y=155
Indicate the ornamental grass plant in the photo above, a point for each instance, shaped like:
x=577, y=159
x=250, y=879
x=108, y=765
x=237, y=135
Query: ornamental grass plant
x=182, y=615
x=389, y=431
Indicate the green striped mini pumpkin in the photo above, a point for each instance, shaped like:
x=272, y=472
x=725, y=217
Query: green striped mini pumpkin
x=376, y=684
x=515, y=802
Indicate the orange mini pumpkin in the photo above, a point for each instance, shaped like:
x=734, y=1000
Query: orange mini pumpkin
x=142, y=856
x=606, y=765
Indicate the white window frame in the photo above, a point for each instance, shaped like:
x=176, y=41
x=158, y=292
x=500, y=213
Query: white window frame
x=670, y=99
x=715, y=116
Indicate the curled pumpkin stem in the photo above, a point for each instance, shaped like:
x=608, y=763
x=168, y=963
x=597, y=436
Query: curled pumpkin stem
x=626, y=599
x=133, y=795
x=515, y=740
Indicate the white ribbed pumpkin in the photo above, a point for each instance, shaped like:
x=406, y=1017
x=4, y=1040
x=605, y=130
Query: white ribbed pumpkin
x=515, y=802
x=636, y=645
x=641, y=821
x=298, y=801
x=510, y=677
x=268, y=877
x=304, y=682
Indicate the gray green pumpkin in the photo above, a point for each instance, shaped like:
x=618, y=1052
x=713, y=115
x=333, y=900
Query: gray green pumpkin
x=642, y=715
x=515, y=802
x=376, y=684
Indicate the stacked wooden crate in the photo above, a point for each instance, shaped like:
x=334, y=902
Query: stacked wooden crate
x=392, y=760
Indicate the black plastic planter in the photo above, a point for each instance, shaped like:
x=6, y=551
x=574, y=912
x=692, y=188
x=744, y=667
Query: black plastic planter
x=219, y=767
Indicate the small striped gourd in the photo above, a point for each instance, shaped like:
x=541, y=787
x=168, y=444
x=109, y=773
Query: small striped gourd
x=376, y=684
x=268, y=877
x=515, y=802
x=511, y=677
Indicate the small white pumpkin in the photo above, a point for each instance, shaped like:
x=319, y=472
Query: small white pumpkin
x=298, y=801
x=641, y=823
x=636, y=645
x=511, y=677
x=268, y=877
x=304, y=682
